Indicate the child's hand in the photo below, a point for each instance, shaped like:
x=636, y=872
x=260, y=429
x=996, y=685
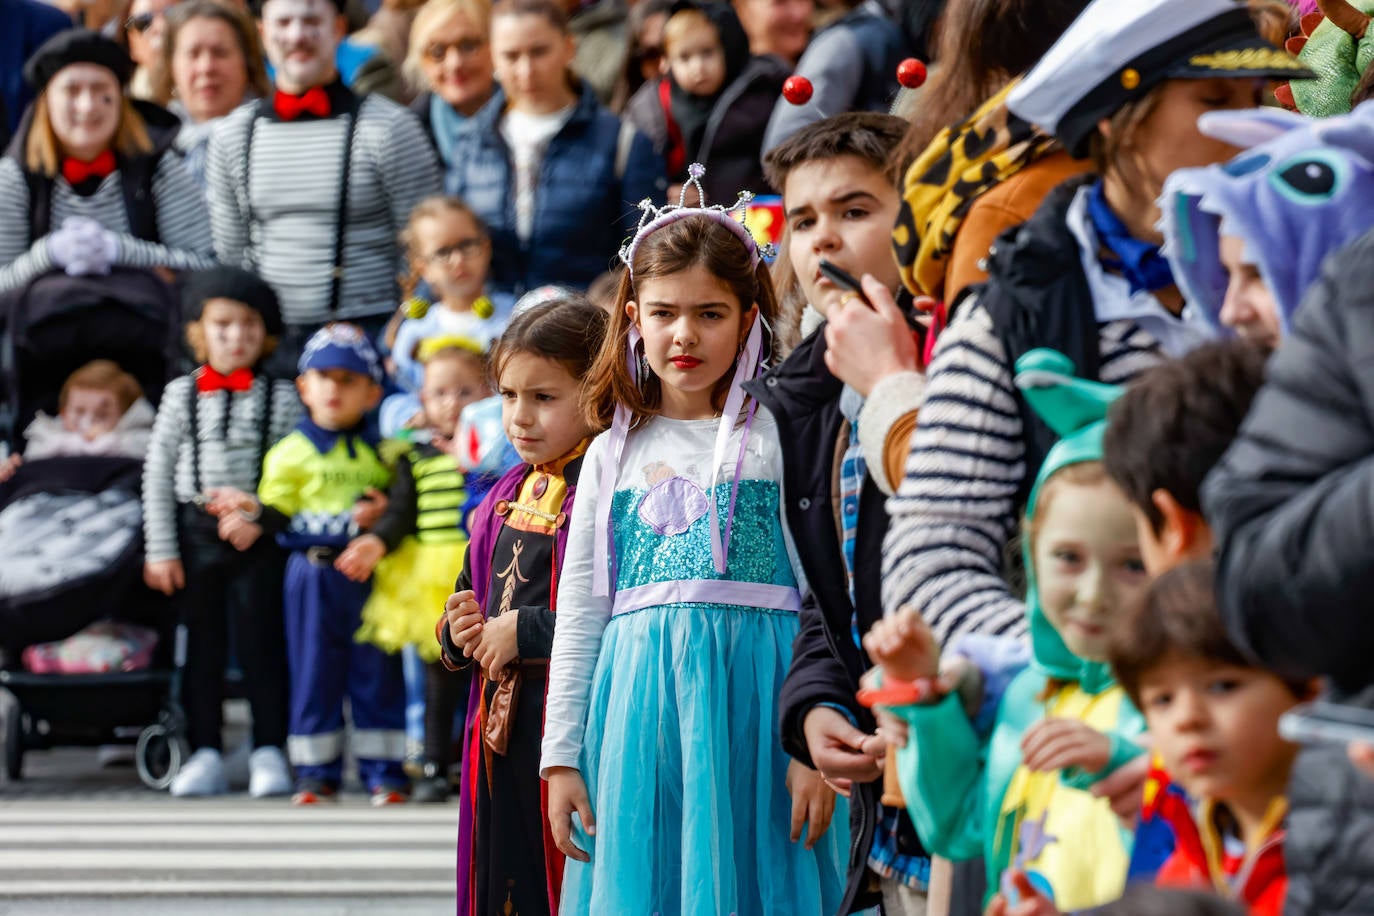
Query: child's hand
x=904, y=645
x=369, y=508
x=220, y=501
x=1125, y=788
x=360, y=557
x=1029, y=902
x=166, y=576
x=838, y=749
x=1053, y=744
x=497, y=646
x=568, y=793
x=813, y=802
x=238, y=531
x=464, y=616
x=9, y=466
x=1362, y=756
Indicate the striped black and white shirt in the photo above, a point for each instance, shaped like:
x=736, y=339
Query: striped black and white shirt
x=182, y=222
x=955, y=511
x=286, y=232
x=230, y=450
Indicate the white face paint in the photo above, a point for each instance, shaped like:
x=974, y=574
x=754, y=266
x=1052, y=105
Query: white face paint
x=83, y=105
x=300, y=37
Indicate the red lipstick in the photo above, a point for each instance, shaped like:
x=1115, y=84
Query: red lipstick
x=685, y=362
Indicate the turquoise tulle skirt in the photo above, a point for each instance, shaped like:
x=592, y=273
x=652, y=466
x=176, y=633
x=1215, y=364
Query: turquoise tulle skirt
x=686, y=774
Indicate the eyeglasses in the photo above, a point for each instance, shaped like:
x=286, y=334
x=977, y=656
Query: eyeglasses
x=649, y=55
x=466, y=47
x=458, y=251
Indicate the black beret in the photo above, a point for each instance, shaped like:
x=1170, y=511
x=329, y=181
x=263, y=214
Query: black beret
x=76, y=46
x=231, y=283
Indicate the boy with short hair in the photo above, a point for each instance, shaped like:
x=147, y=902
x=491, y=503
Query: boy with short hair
x=1165, y=434
x=1213, y=721
x=839, y=205
x=319, y=489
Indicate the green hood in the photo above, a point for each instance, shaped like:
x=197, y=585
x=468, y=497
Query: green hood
x=1076, y=409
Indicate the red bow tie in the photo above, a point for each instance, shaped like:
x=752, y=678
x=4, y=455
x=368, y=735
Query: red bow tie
x=77, y=170
x=210, y=380
x=290, y=107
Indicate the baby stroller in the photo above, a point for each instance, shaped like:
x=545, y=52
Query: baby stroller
x=73, y=546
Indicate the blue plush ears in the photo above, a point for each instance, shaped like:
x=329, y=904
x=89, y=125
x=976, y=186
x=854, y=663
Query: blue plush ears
x=1064, y=401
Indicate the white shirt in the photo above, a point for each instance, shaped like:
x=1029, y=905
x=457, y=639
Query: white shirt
x=528, y=136
x=1114, y=301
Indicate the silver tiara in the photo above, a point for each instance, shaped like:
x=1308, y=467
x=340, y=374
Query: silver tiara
x=732, y=217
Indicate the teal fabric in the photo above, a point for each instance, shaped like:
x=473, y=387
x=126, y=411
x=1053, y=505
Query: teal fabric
x=954, y=779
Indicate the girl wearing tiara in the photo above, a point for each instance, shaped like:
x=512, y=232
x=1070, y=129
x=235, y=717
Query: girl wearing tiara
x=678, y=607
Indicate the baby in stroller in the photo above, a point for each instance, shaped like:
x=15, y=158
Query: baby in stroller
x=64, y=522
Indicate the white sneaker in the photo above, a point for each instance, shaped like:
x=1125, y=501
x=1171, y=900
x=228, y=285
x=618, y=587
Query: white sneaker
x=268, y=773
x=203, y=774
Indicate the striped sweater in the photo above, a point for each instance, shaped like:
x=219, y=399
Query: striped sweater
x=230, y=450
x=181, y=222
x=955, y=512
x=286, y=232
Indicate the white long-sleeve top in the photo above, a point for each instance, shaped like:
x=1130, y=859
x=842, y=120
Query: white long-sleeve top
x=658, y=450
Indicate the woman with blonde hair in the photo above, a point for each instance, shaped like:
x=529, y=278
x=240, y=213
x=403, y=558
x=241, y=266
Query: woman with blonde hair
x=212, y=62
x=86, y=187
x=449, y=64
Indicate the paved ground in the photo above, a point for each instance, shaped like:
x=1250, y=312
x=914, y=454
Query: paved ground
x=79, y=838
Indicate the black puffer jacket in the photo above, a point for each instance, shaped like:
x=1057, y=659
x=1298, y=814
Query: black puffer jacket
x=1292, y=508
x=804, y=399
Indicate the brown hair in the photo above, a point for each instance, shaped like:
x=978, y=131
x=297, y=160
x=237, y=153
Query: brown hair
x=1106, y=150
x=982, y=45
x=103, y=375
x=869, y=135
x=432, y=15
x=42, y=149
x=568, y=330
x=431, y=207
x=551, y=12
x=239, y=22
x=678, y=246
x=1179, y=615
x=1176, y=420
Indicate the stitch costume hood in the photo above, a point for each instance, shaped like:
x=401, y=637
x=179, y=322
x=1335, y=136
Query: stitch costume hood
x=1076, y=409
x=1296, y=194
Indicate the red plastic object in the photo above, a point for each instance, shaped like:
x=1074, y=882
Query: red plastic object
x=797, y=90
x=911, y=73
x=898, y=693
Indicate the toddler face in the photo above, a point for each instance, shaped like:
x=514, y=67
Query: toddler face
x=1087, y=563
x=337, y=398
x=450, y=385
x=234, y=334
x=1216, y=727
x=90, y=412
x=453, y=256
x=697, y=60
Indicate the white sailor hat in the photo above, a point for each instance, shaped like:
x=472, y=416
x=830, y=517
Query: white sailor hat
x=1116, y=51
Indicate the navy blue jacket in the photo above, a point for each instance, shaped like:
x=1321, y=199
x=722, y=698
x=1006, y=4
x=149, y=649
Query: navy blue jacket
x=584, y=210
x=24, y=25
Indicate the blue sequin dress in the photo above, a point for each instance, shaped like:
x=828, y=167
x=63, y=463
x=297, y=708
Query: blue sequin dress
x=669, y=709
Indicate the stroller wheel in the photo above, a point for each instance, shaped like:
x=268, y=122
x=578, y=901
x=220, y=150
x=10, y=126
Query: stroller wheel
x=158, y=756
x=14, y=744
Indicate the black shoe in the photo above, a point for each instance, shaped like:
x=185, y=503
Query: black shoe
x=432, y=787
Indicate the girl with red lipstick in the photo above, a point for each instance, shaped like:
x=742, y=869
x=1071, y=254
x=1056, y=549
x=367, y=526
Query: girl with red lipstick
x=668, y=786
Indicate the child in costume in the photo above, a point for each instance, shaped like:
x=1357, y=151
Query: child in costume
x=416, y=549
x=101, y=411
x=678, y=606
x=1213, y=721
x=502, y=615
x=1018, y=796
x=213, y=429
x=1248, y=237
x=449, y=251
x=312, y=496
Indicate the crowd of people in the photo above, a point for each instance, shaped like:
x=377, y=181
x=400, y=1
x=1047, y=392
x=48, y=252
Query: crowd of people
x=959, y=553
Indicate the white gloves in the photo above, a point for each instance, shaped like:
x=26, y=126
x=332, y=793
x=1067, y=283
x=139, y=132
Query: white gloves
x=83, y=246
